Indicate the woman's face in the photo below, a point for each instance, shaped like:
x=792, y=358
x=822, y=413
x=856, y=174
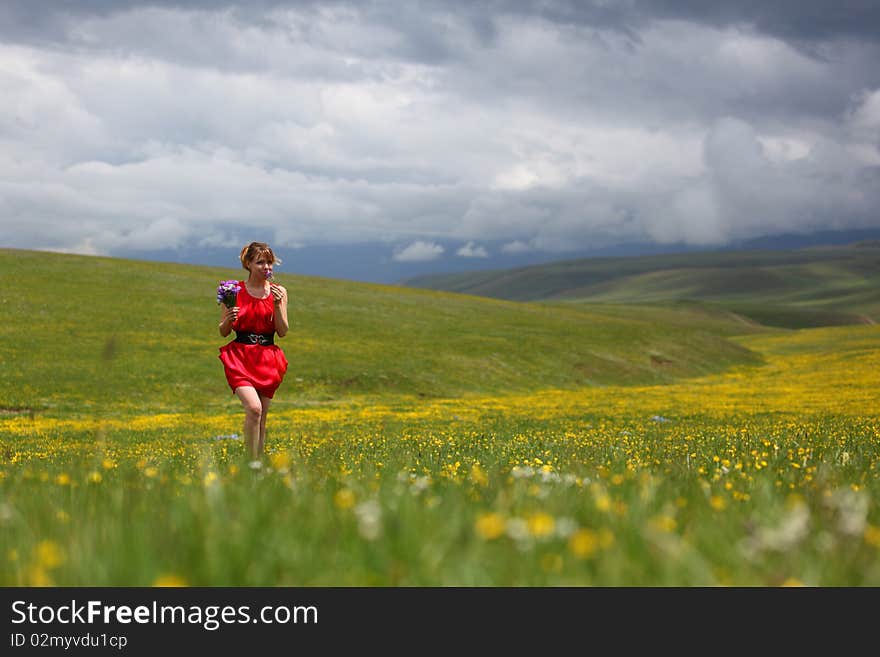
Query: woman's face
x=261, y=265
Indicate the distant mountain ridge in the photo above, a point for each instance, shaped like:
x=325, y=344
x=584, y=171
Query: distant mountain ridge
x=815, y=286
x=374, y=262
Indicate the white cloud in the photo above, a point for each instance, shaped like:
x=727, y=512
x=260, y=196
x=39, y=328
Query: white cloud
x=863, y=128
x=470, y=250
x=516, y=246
x=418, y=251
x=221, y=239
x=866, y=114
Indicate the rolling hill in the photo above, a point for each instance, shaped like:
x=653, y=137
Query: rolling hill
x=90, y=333
x=819, y=286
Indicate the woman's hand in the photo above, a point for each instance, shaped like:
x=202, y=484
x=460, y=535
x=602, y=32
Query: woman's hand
x=280, y=296
x=230, y=315
x=279, y=292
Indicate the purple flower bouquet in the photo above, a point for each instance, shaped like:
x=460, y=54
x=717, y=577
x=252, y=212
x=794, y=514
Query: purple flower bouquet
x=227, y=292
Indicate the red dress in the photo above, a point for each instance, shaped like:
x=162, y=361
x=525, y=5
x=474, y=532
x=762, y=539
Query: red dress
x=259, y=366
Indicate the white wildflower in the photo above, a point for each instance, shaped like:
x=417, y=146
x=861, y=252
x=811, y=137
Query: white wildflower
x=369, y=517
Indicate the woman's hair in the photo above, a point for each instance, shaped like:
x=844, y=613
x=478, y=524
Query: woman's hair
x=256, y=249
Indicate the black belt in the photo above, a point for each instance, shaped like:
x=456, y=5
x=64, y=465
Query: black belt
x=246, y=337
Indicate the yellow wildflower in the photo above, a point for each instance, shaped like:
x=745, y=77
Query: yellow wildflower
x=49, y=554
x=489, y=526
x=39, y=577
x=583, y=543
x=280, y=460
x=717, y=502
x=169, y=580
x=606, y=538
x=540, y=525
x=344, y=498
x=478, y=475
x=663, y=523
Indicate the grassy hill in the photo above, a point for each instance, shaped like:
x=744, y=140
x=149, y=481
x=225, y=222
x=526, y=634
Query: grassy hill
x=801, y=288
x=89, y=334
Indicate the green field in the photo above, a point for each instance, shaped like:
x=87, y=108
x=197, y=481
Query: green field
x=109, y=328
x=827, y=286
x=426, y=438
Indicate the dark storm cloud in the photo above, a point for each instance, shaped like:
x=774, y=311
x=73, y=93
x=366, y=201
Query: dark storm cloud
x=799, y=20
x=422, y=26
x=789, y=19
x=421, y=32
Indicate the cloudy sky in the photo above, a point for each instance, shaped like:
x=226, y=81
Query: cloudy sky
x=434, y=132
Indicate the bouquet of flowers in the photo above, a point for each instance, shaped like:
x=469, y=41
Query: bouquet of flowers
x=227, y=292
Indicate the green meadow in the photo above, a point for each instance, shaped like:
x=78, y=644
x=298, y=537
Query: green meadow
x=428, y=438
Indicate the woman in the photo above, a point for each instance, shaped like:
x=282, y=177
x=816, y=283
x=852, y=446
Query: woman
x=254, y=364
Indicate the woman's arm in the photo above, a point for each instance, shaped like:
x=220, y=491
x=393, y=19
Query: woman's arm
x=281, y=323
x=228, y=319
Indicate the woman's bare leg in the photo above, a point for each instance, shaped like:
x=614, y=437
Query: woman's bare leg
x=253, y=412
x=265, y=402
